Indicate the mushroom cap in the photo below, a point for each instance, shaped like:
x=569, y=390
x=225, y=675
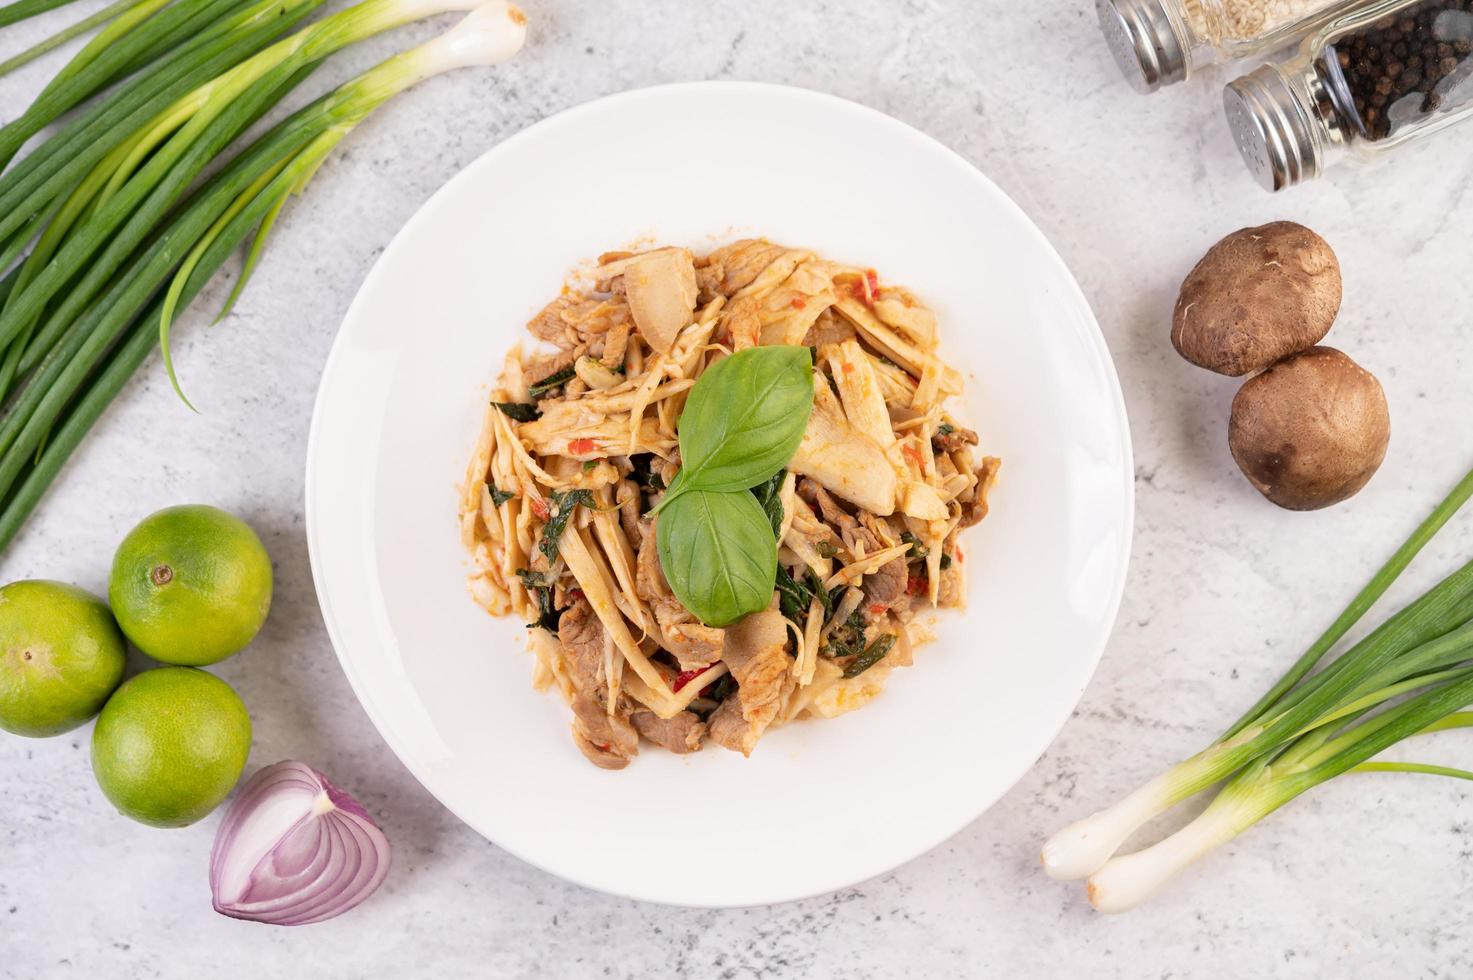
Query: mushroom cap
x=1257, y=296
x=1310, y=431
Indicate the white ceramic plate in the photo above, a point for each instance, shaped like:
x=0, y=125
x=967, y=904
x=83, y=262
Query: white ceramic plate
x=820, y=805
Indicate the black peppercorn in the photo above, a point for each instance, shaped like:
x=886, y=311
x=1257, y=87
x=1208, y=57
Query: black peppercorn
x=1414, y=58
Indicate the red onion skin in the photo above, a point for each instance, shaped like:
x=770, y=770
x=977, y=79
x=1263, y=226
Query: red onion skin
x=323, y=865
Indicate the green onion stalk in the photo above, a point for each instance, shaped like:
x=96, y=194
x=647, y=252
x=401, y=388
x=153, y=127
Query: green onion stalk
x=20, y=10
x=25, y=352
x=1411, y=675
x=32, y=188
x=97, y=66
x=122, y=13
x=141, y=180
x=96, y=354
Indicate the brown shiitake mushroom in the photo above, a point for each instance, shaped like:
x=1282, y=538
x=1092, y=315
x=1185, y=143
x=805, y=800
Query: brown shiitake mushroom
x=1310, y=431
x=1258, y=295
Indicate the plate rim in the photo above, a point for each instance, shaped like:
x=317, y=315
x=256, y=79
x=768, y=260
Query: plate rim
x=1097, y=343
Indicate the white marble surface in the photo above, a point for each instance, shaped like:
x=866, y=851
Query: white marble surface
x=1365, y=878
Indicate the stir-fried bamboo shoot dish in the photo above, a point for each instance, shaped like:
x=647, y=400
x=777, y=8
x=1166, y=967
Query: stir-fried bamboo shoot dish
x=572, y=485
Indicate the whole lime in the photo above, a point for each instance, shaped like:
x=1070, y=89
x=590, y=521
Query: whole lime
x=191, y=585
x=170, y=744
x=61, y=655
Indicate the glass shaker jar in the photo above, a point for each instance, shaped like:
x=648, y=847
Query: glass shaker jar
x=1369, y=81
x=1161, y=42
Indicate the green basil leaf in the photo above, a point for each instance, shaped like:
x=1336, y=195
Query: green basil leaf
x=718, y=554
x=745, y=418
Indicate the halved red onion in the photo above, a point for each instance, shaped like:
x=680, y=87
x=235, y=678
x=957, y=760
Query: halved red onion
x=295, y=849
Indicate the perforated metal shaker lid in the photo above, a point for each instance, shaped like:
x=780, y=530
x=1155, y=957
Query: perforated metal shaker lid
x=1273, y=128
x=1144, y=41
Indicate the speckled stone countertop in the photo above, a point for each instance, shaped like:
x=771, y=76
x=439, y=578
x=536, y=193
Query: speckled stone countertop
x=1363, y=878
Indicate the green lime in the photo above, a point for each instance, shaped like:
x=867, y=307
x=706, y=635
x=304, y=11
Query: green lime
x=170, y=744
x=191, y=585
x=61, y=655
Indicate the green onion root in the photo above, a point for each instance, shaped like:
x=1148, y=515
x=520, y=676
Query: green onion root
x=1423, y=644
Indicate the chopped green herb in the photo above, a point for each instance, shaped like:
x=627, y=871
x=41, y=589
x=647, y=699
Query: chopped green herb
x=532, y=580
x=642, y=472
x=548, y=615
x=519, y=411
x=555, y=380
x=917, y=550
x=589, y=465
x=498, y=497
x=945, y=429
x=721, y=690
x=847, y=639
x=769, y=495
x=564, y=502
x=872, y=655
x=793, y=597
x=945, y=562
x=826, y=549
x=824, y=598
x=835, y=595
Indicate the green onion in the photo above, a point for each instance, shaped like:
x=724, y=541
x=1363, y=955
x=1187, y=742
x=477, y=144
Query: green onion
x=103, y=66
x=1125, y=882
x=65, y=340
x=22, y=9
x=111, y=11
x=1411, y=675
x=1363, y=601
x=202, y=125
x=91, y=355
x=55, y=168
